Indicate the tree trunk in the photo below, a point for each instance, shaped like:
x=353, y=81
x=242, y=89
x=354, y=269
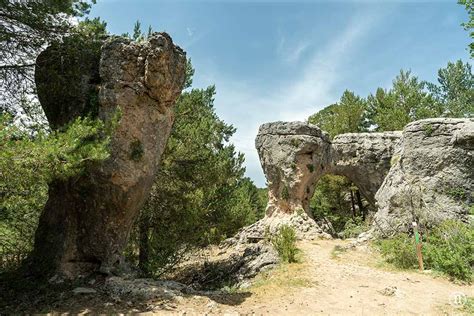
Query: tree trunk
x=143, y=245
x=362, y=209
x=86, y=221
x=354, y=214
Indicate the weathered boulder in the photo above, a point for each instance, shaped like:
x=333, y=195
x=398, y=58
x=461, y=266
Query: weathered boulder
x=86, y=221
x=432, y=177
x=295, y=155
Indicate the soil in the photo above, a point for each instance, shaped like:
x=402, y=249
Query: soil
x=350, y=282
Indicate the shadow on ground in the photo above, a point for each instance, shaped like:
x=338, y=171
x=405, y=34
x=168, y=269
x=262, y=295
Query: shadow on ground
x=20, y=293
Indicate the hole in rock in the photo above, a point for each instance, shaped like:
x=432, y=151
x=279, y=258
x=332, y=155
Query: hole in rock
x=340, y=207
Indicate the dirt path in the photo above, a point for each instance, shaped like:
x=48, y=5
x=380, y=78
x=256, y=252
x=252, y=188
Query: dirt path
x=351, y=283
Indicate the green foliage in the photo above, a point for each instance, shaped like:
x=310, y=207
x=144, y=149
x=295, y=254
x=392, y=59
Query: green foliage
x=469, y=305
x=262, y=201
x=405, y=102
x=136, y=150
x=201, y=195
x=331, y=201
x=469, y=25
x=310, y=167
x=394, y=160
x=284, y=242
x=337, y=251
x=27, y=27
x=137, y=34
x=346, y=116
x=448, y=248
x=454, y=92
x=353, y=227
x=285, y=193
x=428, y=130
x=399, y=251
x=295, y=142
x=29, y=163
x=457, y=193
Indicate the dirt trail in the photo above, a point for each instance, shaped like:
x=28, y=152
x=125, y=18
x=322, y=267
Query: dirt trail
x=352, y=282
x=348, y=284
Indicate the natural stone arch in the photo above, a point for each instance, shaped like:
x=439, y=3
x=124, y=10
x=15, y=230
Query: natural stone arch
x=295, y=155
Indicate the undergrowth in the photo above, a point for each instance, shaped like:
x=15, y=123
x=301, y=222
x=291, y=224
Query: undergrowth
x=284, y=243
x=448, y=248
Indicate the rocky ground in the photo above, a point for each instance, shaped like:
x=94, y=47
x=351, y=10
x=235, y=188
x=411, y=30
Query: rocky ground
x=330, y=279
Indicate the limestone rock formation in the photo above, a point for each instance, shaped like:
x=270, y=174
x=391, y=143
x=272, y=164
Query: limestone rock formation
x=432, y=177
x=295, y=155
x=86, y=221
x=425, y=173
x=364, y=158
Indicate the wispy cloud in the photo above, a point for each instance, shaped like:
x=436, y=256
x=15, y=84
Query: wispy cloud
x=194, y=36
x=289, y=51
x=295, y=97
x=190, y=31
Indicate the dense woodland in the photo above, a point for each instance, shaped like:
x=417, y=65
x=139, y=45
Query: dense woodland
x=201, y=195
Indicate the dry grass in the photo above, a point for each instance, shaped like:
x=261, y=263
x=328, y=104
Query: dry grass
x=283, y=278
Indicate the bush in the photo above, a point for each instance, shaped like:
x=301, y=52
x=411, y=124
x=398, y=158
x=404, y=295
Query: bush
x=399, y=251
x=353, y=228
x=450, y=249
x=284, y=243
x=28, y=163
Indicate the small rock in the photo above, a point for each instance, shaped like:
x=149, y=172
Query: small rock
x=390, y=291
x=84, y=290
x=56, y=279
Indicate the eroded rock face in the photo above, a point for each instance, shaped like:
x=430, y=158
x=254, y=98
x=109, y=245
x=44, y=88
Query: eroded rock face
x=432, y=177
x=295, y=155
x=423, y=174
x=86, y=221
x=364, y=158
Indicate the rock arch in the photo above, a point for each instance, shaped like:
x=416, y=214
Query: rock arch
x=295, y=155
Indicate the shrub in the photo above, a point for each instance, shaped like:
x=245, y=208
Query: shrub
x=285, y=193
x=450, y=249
x=284, y=243
x=353, y=228
x=399, y=251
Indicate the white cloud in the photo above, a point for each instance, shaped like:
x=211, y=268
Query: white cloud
x=190, y=31
x=291, y=52
x=296, y=97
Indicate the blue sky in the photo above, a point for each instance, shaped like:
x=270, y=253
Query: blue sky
x=284, y=60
